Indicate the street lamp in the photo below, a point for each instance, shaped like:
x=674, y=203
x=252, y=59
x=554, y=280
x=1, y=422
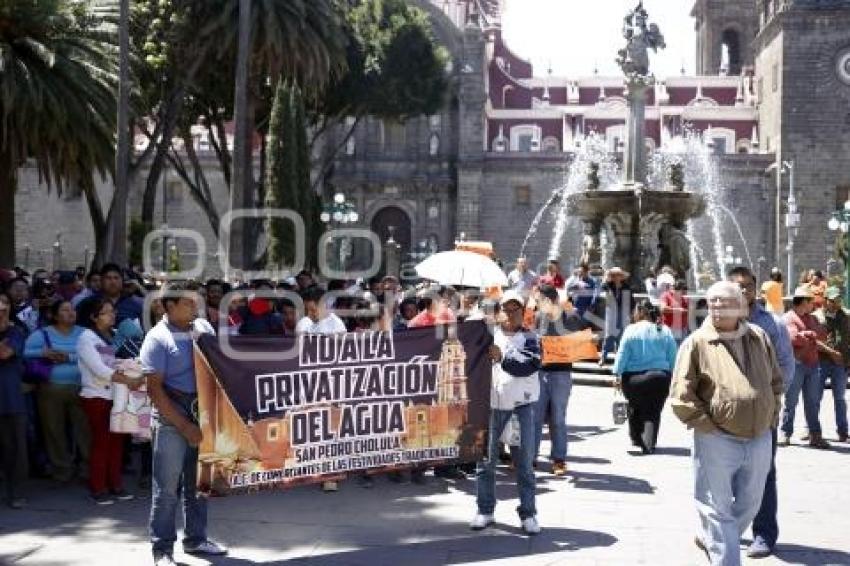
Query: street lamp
x=340, y=212
x=792, y=218
x=840, y=220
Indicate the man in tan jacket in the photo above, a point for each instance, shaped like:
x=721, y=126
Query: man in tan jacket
x=727, y=386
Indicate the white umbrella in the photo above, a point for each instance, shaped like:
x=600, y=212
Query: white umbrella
x=461, y=268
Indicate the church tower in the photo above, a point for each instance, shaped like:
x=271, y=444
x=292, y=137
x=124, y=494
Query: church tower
x=802, y=77
x=725, y=30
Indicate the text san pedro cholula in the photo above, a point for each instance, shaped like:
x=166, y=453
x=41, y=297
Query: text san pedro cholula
x=362, y=401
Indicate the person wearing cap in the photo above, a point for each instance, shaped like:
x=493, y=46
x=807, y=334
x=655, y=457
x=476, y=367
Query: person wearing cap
x=808, y=339
x=727, y=387
x=515, y=354
x=765, y=523
x=617, y=310
x=835, y=360
x=555, y=377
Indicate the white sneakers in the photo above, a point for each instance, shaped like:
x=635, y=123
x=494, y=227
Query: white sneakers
x=529, y=525
x=481, y=521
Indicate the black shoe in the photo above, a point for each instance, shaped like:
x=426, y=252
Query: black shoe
x=397, y=477
x=418, y=477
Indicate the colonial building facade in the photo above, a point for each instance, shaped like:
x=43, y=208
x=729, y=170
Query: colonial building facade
x=772, y=86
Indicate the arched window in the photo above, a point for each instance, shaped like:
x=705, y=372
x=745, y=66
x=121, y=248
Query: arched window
x=730, y=59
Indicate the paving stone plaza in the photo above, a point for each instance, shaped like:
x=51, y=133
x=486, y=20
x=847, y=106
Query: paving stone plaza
x=612, y=508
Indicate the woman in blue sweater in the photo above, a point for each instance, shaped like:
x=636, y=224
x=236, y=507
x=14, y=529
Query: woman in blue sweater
x=643, y=366
x=59, y=398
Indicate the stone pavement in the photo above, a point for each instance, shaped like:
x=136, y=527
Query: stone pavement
x=613, y=508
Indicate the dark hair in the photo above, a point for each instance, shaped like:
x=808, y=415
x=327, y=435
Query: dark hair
x=285, y=303
x=91, y=274
x=336, y=285
x=741, y=271
x=797, y=301
x=55, y=306
x=111, y=267
x=819, y=274
x=650, y=311
x=15, y=280
x=88, y=310
x=214, y=283
x=407, y=301
x=312, y=294
x=172, y=292
x=424, y=303
x=776, y=275
x=549, y=292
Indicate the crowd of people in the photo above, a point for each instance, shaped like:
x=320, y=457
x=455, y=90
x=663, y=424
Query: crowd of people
x=733, y=363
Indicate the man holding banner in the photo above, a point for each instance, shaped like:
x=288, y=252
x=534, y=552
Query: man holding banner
x=515, y=354
x=168, y=360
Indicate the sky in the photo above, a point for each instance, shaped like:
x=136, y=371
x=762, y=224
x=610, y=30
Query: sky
x=576, y=35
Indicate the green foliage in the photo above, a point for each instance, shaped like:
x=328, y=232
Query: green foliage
x=58, y=67
x=395, y=67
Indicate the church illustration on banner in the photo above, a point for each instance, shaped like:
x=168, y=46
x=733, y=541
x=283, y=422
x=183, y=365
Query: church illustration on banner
x=232, y=444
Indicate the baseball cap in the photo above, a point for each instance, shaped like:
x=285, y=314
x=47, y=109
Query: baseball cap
x=832, y=293
x=803, y=292
x=512, y=295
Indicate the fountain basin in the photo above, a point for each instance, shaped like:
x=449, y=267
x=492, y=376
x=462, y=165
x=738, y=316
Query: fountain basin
x=677, y=206
x=642, y=230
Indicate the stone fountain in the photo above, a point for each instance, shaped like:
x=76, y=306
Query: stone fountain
x=643, y=229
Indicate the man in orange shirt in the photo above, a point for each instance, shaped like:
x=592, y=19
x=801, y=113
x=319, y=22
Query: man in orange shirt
x=771, y=290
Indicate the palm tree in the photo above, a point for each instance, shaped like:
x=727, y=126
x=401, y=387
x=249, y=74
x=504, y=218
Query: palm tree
x=300, y=40
x=57, y=101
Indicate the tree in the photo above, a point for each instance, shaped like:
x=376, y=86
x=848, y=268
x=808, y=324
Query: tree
x=57, y=102
x=395, y=70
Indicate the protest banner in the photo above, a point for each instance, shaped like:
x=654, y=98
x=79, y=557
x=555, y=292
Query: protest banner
x=569, y=348
x=367, y=401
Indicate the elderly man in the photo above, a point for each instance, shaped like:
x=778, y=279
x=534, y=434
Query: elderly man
x=727, y=386
x=765, y=523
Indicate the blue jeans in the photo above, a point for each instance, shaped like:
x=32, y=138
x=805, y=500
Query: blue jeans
x=729, y=479
x=175, y=471
x=486, y=472
x=765, y=524
x=555, y=387
x=837, y=375
x=809, y=380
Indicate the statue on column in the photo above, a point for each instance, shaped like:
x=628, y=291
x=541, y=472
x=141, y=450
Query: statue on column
x=633, y=59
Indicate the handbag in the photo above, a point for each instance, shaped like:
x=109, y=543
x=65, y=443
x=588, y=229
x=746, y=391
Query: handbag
x=37, y=370
x=131, y=410
x=620, y=406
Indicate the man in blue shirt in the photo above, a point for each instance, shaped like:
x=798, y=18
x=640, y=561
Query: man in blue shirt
x=127, y=307
x=765, y=525
x=168, y=360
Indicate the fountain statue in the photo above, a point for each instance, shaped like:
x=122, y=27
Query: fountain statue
x=645, y=228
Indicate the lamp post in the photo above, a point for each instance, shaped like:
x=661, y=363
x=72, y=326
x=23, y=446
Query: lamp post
x=792, y=217
x=840, y=220
x=340, y=212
